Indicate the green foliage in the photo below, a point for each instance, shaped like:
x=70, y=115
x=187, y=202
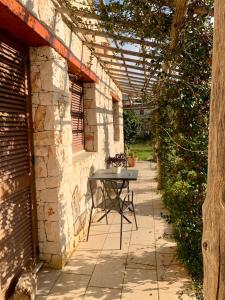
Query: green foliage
x=184, y=116
x=142, y=149
x=131, y=126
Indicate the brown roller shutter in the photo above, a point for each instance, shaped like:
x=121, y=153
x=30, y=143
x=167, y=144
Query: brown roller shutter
x=77, y=114
x=16, y=176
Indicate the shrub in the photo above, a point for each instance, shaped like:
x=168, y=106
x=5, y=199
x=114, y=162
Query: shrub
x=131, y=126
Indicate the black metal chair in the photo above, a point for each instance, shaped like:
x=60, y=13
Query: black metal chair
x=114, y=198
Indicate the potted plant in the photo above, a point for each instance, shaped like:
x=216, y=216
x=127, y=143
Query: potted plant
x=131, y=159
x=116, y=162
x=130, y=156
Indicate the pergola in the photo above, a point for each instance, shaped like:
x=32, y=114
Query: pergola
x=132, y=62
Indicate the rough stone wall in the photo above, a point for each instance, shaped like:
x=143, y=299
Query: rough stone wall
x=52, y=136
x=63, y=198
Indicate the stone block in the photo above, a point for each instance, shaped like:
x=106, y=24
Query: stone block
x=40, y=184
x=49, y=195
x=51, y=211
x=52, y=231
x=35, y=79
x=46, y=98
x=40, y=167
x=39, y=117
x=41, y=232
x=41, y=151
x=49, y=119
x=40, y=212
x=44, y=138
x=90, y=117
x=46, y=76
x=50, y=247
x=89, y=93
x=52, y=182
x=57, y=261
x=88, y=104
x=35, y=98
x=52, y=164
x=45, y=257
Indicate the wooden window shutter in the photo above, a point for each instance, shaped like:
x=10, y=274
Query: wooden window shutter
x=77, y=114
x=16, y=173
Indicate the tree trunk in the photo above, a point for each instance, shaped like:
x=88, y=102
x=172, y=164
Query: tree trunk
x=213, y=242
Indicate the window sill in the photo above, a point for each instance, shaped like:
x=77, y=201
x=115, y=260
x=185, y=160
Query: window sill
x=82, y=155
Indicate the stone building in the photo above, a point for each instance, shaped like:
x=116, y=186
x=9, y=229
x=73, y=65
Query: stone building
x=60, y=117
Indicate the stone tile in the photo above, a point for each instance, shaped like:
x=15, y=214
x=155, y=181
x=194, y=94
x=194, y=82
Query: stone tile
x=94, y=243
x=109, y=273
x=46, y=280
x=167, y=259
x=150, y=294
x=94, y=293
x=145, y=221
x=143, y=257
x=176, y=294
x=140, y=284
x=86, y=255
x=80, y=266
x=165, y=246
x=143, y=236
x=113, y=243
x=66, y=296
x=70, y=284
x=172, y=275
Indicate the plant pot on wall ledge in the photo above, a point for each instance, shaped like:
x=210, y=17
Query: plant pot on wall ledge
x=131, y=161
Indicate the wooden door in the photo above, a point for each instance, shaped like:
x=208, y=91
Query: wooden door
x=17, y=241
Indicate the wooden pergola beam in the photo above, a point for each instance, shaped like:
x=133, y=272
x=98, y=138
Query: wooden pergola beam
x=133, y=79
x=118, y=37
x=116, y=50
x=127, y=59
x=141, y=87
x=121, y=76
x=113, y=71
x=139, y=106
x=122, y=65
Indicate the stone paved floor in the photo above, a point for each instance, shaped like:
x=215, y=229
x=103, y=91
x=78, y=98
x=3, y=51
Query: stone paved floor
x=145, y=268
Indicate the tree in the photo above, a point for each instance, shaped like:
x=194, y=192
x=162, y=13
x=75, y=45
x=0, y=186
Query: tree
x=213, y=242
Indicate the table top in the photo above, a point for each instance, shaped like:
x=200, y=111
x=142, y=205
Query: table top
x=107, y=174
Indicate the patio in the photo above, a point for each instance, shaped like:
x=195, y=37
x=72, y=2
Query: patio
x=145, y=268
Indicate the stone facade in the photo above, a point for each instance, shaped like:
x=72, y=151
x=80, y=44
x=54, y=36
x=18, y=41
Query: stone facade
x=62, y=193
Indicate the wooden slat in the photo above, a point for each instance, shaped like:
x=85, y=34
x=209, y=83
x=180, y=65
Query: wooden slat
x=77, y=115
x=16, y=242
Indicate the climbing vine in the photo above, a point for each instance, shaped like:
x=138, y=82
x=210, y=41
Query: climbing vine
x=184, y=117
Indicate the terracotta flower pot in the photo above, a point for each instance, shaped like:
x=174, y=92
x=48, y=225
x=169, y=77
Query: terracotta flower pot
x=131, y=161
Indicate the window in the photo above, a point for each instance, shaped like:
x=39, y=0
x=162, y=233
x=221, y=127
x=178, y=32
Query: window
x=77, y=114
x=116, y=125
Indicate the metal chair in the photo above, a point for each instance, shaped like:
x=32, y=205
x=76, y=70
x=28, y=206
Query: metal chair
x=113, y=199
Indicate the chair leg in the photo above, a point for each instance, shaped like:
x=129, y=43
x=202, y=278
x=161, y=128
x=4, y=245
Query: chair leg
x=89, y=225
x=134, y=210
x=106, y=215
x=121, y=226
